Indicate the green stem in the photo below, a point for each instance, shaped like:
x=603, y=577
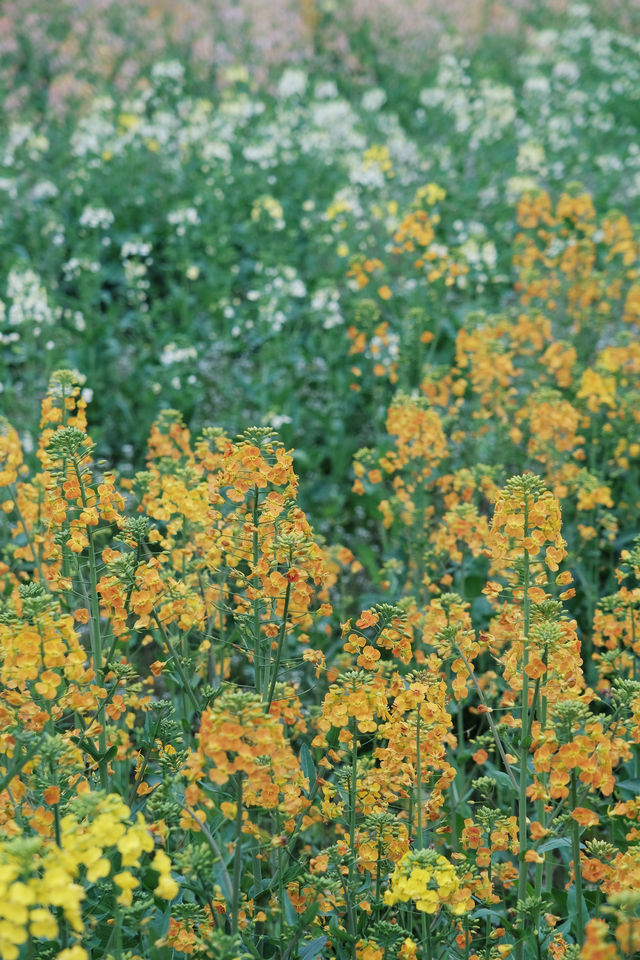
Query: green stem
x=494, y=729
x=257, y=666
x=577, y=870
x=352, y=831
x=636, y=750
x=15, y=770
x=36, y=553
x=280, y=888
x=525, y=736
x=237, y=861
x=144, y=764
x=96, y=638
x=419, y=779
x=206, y=833
x=282, y=634
x=118, y=932
x=174, y=654
x=540, y=810
x=379, y=875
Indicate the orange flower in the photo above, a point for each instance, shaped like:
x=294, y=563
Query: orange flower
x=51, y=796
x=585, y=817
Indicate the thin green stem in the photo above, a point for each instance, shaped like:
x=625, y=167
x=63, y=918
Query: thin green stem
x=144, y=764
x=206, y=833
x=494, y=729
x=15, y=770
x=378, y=904
x=36, y=554
x=257, y=653
x=176, y=660
x=577, y=869
x=281, y=636
x=540, y=805
x=237, y=860
x=524, y=728
x=419, y=778
x=353, y=787
x=96, y=637
x=426, y=940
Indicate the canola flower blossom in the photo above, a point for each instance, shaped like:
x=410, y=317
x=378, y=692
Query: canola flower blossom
x=430, y=881
x=42, y=880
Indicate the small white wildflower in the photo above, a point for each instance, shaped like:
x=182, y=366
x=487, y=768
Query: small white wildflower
x=531, y=157
x=373, y=99
x=44, y=190
x=168, y=70
x=173, y=354
x=292, y=83
x=327, y=90
x=96, y=218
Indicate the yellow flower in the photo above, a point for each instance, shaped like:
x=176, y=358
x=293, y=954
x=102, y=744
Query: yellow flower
x=42, y=924
x=127, y=883
x=132, y=844
x=167, y=888
x=427, y=878
x=73, y=953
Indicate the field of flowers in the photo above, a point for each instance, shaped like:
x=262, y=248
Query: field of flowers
x=319, y=480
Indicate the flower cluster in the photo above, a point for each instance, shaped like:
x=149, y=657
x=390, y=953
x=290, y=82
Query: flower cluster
x=42, y=880
x=430, y=881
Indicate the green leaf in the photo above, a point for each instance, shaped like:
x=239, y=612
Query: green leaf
x=503, y=779
x=87, y=747
x=553, y=844
x=290, y=914
x=312, y=950
x=308, y=766
x=633, y=786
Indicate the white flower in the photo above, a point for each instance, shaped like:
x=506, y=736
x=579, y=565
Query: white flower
x=373, y=99
x=516, y=186
x=327, y=90
x=432, y=97
x=30, y=301
x=489, y=254
x=173, y=354
x=182, y=215
x=96, y=218
x=168, y=70
x=567, y=71
x=537, y=86
x=277, y=420
x=43, y=191
x=292, y=83
x=134, y=248
x=531, y=157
